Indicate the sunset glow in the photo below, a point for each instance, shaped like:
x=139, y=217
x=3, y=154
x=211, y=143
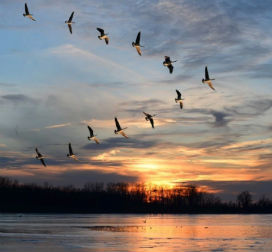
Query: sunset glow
x=51, y=88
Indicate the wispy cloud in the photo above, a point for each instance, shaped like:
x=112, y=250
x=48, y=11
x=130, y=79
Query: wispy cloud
x=69, y=81
x=58, y=126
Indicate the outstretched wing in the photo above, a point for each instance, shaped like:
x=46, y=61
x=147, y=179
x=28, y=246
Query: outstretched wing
x=171, y=68
x=42, y=161
x=179, y=94
x=152, y=122
x=206, y=73
x=107, y=40
x=139, y=50
x=71, y=17
x=211, y=85
x=117, y=124
x=70, y=28
x=100, y=30
x=70, y=149
x=96, y=140
x=167, y=59
x=181, y=105
x=123, y=134
x=38, y=153
x=91, y=131
x=26, y=9
x=137, y=42
x=145, y=114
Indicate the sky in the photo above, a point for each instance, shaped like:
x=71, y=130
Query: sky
x=53, y=84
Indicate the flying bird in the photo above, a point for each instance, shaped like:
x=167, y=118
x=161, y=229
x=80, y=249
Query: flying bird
x=168, y=63
x=69, y=22
x=71, y=153
x=137, y=44
x=149, y=117
x=119, y=129
x=103, y=35
x=92, y=136
x=207, y=79
x=40, y=157
x=179, y=99
x=27, y=14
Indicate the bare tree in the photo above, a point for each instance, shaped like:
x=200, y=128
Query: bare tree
x=244, y=199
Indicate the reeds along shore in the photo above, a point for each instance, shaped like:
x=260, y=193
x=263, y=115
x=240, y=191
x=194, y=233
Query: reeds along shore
x=121, y=198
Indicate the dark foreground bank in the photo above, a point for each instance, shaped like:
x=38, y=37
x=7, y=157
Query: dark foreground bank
x=120, y=198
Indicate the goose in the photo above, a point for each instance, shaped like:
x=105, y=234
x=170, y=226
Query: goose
x=71, y=154
x=207, y=79
x=92, y=136
x=149, y=117
x=27, y=14
x=137, y=44
x=69, y=22
x=168, y=63
x=119, y=129
x=103, y=35
x=179, y=99
x=40, y=157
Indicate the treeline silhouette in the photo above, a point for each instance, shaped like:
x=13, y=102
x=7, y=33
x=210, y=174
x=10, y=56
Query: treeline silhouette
x=120, y=198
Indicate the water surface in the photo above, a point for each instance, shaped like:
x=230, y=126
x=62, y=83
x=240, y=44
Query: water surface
x=135, y=233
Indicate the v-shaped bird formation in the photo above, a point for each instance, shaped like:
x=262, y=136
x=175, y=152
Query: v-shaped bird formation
x=148, y=117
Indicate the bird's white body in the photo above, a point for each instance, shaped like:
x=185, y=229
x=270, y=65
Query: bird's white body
x=103, y=37
x=178, y=100
x=93, y=139
x=121, y=132
x=29, y=16
x=209, y=82
x=138, y=48
x=42, y=157
x=166, y=64
x=73, y=157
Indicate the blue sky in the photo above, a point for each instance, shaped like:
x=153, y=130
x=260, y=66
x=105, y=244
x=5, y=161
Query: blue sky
x=53, y=84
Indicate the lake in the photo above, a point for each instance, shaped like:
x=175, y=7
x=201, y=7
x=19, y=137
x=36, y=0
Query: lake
x=134, y=233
